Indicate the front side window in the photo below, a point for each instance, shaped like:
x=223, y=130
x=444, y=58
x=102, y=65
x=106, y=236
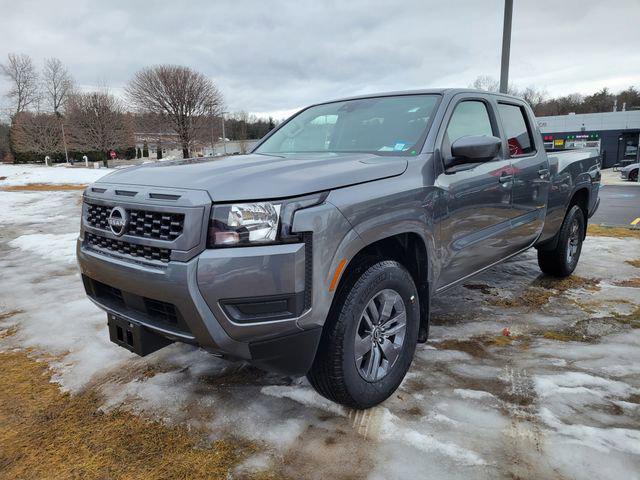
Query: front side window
x=469, y=118
x=518, y=133
x=383, y=125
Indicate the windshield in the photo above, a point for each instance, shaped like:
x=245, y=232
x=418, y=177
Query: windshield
x=392, y=125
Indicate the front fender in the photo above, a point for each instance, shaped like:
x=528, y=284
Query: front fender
x=334, y=239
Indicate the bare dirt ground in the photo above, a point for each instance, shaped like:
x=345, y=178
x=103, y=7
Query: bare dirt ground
x=523, y=377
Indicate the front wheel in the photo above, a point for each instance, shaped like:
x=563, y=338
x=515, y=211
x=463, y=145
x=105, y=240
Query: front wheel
x=563, y=259
x=370, y=337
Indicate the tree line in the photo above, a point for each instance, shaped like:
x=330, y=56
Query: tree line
x=543, y=105
x=173, y=106
x=166, y=104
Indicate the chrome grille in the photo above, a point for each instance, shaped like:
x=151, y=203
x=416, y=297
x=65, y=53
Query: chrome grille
x=142, y=223
x=126, y=248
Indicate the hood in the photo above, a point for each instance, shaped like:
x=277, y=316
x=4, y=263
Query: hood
x=630, y=167
x=257, y=176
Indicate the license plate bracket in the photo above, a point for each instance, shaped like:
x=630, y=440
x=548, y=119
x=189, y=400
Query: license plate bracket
x=134, y=337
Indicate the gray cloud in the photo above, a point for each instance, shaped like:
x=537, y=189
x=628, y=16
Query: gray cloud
x=276, y=56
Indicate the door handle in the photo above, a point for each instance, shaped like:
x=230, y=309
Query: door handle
x=505, y=178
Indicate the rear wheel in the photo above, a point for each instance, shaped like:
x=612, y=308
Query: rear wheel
x=563, y=259
x=370, y=337
x=633, y=176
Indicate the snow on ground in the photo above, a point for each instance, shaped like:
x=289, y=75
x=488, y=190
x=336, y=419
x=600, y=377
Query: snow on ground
x=60, y=174
x=560, y=398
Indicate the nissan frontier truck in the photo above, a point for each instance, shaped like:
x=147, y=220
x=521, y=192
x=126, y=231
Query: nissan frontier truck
x=317, y=253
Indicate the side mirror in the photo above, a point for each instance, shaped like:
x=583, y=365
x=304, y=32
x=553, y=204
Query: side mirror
x=474, y=148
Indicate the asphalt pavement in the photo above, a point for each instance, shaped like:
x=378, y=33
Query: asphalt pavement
x=619, y=205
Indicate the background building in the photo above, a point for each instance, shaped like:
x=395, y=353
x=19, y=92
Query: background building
x=616, y=134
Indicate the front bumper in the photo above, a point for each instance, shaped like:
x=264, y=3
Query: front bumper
x=194, y=293
x=263, y=304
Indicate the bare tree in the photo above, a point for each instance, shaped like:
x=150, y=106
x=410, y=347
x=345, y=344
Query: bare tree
x=486, y=83
x=187, y=98
x=57, y=83
x=534, y=97
x=97, y=121
x=37, y=132
x=490, y=84
x=23, y=79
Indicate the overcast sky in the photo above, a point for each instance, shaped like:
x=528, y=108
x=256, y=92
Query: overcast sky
x=275, y=56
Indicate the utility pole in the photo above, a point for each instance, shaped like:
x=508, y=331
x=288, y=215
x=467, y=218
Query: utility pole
x=224, y=135
x=506, y=46
x=213, y=145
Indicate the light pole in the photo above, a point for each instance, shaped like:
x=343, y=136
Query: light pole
x=506, y=46
x=224, y=135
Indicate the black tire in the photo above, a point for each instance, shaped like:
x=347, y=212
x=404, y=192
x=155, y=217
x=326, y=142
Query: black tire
x=633, y=176
x=335, y=374
x=563, y=259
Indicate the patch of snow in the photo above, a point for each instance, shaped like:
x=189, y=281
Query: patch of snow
x=472, y=394
x=306, y=396
x=26, y=174
x=571, y=383
x=254, y=464
x=393, y=430
x=602, y=439
x=54, y=247
x=24, y=208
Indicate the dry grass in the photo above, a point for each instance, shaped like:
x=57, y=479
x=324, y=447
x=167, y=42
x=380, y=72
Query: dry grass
x=631, y=282
x=632, y=319
x=10, y=313
x=590, y=330
x=541, y=291
x=568, y=283
x=560, y=336
x=477, y=346
x=47, y=434
x=8, y=332
x=618, y=232
x=531, y=298
x=44, y=187
x=473, y=347
x=634, y=263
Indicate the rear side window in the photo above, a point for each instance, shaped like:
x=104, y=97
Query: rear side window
x=469, y=118
x=517, y=129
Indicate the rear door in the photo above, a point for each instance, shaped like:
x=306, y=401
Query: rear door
x=474, y=231
x=530, y=167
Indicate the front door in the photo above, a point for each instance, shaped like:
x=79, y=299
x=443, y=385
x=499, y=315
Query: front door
x=530, y=170
x=474, y=231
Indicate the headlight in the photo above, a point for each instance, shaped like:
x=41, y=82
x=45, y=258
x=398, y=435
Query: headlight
x=256, y=223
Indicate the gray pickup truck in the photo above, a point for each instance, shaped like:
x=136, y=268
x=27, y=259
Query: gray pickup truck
x=318, y=252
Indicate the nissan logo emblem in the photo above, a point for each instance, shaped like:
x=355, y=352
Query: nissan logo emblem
x=118, y=219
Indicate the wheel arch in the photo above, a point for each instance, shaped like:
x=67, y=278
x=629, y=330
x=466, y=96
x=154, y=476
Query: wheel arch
x=409, y=248
x=580, y=198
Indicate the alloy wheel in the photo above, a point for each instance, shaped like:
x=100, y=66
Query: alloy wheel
x=380, y=335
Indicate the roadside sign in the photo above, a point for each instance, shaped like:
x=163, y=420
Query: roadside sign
x=112, y=154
